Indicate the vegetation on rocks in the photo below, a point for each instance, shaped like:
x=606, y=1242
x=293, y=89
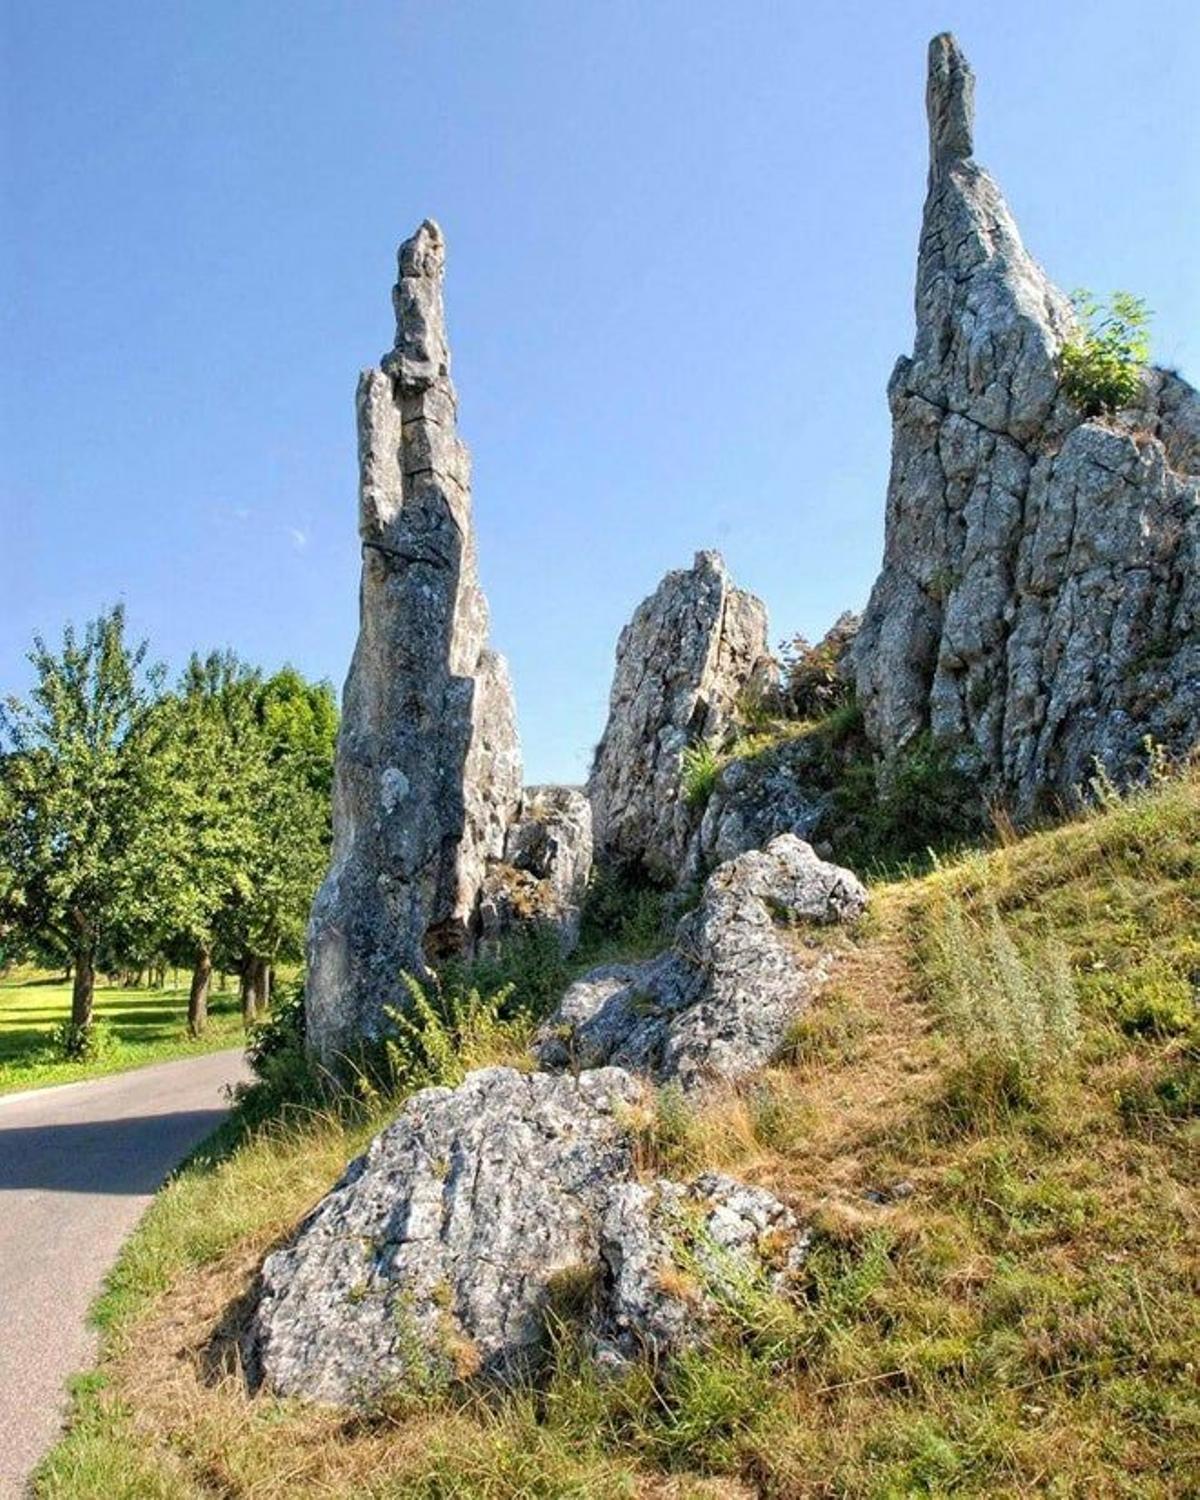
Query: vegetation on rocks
x=1102, y=368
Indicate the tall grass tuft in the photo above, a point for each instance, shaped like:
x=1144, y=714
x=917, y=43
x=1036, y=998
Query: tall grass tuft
x=1014, y=1013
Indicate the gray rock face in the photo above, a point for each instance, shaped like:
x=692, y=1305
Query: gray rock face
x=756, y=798
x=437, y=1255
x=543, y=876
x=692, y=649
x=1039, y=598
x=719, y=1003
x=672, y=1252
x=428, y=772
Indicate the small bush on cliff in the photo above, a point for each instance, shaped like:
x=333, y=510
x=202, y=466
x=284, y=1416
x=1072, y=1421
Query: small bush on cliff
x=1102, y=369
x=814, y=683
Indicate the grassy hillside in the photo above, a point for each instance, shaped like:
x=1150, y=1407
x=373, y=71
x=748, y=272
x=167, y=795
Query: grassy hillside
x=991, y=1122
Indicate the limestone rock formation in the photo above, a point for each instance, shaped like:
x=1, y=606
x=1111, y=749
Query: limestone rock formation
x=725, y=1232
x=543, y=876
x=1040, y=593
x=780, y=789
x=428, y=772
x=438, y=1254
x=719, y=1003
x=690, y=652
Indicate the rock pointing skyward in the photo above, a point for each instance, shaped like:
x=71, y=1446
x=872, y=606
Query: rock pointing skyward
x=690, y=651
x=1040, y=594
x=428, y=772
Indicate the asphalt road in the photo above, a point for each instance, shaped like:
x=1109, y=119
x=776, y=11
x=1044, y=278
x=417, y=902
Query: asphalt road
x=78, y=1164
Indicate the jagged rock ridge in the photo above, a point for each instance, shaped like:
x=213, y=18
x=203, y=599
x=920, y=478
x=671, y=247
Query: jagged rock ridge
x=428, y=770
x=1040, y=593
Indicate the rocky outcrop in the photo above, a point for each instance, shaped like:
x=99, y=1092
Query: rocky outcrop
x=428, y=772
x=781, y=788
x=672, y=1253
x=719, y=1003
x=1039, y=600
x=440, y=1252
x=542, y=879
x=693, y=649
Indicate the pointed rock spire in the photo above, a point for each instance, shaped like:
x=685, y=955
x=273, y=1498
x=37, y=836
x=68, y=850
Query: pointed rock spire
x=1038, y=600
x=949, y=102
x=428, y=772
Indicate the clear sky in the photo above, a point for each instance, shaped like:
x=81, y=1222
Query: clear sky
x=681, y=240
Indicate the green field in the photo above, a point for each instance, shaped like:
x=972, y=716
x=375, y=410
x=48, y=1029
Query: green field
x=142, y=1026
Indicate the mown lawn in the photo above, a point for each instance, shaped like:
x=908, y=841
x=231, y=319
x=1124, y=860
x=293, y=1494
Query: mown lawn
x=140, y=1025
x=990, y=1122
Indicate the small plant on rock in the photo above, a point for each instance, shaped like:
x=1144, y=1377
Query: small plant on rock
x=700, y=767
x=1102, y=369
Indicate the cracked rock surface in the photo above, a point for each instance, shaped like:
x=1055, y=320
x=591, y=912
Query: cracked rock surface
x=719, y=1003
x=1039, y=599
x=438, y=1255
x=428, y=768
x=690, y=652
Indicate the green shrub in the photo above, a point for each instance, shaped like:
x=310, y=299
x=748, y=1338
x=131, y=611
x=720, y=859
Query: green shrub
x=443, y=1031
x=814, y=683
x=699, y=766
x=923, y=799
x=1101, y=370
x=70, y=1042
x=624, y=909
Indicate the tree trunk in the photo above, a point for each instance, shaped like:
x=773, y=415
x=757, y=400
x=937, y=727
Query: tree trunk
x=246, y=991
x=266, y=977
x=198, y=994
x=83, y=990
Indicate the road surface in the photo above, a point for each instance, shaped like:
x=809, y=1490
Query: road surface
x=78, y=1164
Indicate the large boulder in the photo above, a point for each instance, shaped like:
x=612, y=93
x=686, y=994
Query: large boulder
x=441, y=1251
x=428, y=769
x=1039, y=600
x=743, y=966
x=688, y=658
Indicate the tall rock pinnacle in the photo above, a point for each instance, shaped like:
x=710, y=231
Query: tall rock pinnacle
x=949, y=102
x=428, y=771
x=1039, y=600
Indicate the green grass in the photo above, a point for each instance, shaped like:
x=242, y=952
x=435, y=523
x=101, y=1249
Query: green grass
x=1001, y=1296
x=142, y=1025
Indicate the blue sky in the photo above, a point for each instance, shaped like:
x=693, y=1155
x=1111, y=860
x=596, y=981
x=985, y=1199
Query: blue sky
x=681, y=248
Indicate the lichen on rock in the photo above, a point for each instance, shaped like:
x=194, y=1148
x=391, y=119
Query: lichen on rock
x=440, y=1254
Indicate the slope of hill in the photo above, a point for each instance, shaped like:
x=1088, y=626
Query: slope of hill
x=990, y=1123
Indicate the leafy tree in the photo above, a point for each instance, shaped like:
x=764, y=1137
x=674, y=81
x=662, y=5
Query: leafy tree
x=265, y=920
x=78, y=804
x=211, y=767
x=1102, y=369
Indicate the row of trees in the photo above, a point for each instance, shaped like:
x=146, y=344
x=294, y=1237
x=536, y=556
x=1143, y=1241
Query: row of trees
x=141, y=826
